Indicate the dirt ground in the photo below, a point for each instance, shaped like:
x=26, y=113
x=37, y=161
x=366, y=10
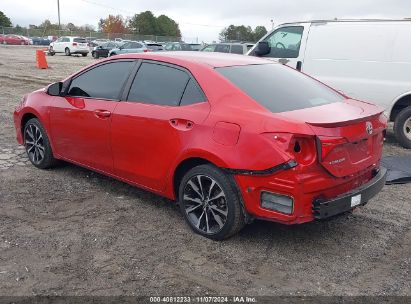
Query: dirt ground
x=69, y=231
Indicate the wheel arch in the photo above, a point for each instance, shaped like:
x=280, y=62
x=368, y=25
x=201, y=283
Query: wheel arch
x=401, y=102
x=183, y=167
x=29, y=114
x=25, y=118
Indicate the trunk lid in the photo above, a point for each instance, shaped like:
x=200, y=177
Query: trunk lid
x=349, y=135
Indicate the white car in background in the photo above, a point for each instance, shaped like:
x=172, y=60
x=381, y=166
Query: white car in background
x=69, y=45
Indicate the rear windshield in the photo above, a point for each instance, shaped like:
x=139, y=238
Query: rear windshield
x=279, y=88
x=80, y=40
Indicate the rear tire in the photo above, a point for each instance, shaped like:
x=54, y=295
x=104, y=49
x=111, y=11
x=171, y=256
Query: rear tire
x=84, y=54
x=210, y=202
x=67, y=52
x=37, y=145
x=402, y=127
x=51, y=52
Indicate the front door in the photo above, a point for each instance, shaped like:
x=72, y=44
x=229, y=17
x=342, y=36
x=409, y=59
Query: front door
x=81, y=120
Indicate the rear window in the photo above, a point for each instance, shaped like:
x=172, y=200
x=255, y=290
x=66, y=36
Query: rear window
x=80, y=40
x=279, y=88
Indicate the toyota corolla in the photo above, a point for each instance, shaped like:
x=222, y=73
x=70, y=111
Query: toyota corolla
x=231, y=138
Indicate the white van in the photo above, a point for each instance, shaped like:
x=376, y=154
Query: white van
x=368, y=60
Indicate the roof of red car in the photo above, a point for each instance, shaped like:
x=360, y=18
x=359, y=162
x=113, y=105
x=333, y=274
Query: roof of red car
x=211, y=59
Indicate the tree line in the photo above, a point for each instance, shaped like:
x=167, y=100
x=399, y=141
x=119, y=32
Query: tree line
x=242, y=33
x=144, y=23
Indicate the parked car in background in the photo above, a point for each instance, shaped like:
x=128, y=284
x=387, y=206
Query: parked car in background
x=100, y=41
x=129, y=47
x=177, y=46
x=40, y=41
x=154, y=47
x=367, y=59
x=234, y=48
x=103, y=49
x=69, y=45
x=214, y=132
x=14, y=39
x=196, y=46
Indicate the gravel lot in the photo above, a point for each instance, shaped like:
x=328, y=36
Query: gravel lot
x=74, y=232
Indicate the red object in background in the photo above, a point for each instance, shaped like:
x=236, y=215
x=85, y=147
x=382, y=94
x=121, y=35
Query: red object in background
x=14, y=40
x=321, y=152
x=41, y=60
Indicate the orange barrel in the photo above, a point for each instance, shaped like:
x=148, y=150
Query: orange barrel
x=41, y=59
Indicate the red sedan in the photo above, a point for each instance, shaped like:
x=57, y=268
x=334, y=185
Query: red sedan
x=230, y=137
x=14, y=39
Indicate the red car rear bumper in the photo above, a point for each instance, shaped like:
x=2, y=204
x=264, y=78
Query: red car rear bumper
x=315, y=194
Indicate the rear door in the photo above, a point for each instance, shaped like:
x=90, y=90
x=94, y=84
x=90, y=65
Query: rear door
x=150, y=129
x=81, y=120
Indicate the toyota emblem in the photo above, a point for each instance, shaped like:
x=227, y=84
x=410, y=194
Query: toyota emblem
x=368, y=127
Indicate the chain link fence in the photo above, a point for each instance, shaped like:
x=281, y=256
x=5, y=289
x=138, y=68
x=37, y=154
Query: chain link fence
x=92, y=35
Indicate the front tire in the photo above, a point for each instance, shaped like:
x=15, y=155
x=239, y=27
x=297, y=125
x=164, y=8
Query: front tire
x=84, y=54
x=402, y=127
x=67, y=52
x=210, y=202
x=37, y=145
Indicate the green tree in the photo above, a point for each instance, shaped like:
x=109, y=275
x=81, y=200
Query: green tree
x=167, y=27
x=144, y=23
x=242, y=33
x=47, y=25
x=259, y=32
x=4, y=20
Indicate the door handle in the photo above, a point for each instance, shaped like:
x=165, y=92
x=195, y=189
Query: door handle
x=181, y=124
x=102, y=113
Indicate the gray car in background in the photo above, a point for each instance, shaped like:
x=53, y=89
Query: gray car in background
x=234, y=48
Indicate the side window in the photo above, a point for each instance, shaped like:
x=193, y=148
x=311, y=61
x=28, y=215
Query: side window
x=66, y=39
x=237, y=49
x=104, y=81
x=222, y=48
x=192, y=94
x=168, y=47
x=158, y=84
x=209, y=48
x=126, y=46
x=285, y=42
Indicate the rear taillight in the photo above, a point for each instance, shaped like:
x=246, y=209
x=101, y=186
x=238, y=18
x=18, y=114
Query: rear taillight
x=302, y=148
x=74, y=44
x=147, y=50
x=326, y=144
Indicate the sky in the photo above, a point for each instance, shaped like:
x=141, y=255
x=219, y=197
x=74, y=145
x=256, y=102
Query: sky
x=203, y=20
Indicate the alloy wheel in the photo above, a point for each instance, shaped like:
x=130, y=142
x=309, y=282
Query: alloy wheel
x=407, y=128
x=205, y=204
x=34, y=143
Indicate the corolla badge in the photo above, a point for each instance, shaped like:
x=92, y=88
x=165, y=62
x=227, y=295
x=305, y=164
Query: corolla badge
x=368, y=127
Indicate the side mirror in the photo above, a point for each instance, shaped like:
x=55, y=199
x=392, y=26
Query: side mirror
x=55, y=89
x=262, y=48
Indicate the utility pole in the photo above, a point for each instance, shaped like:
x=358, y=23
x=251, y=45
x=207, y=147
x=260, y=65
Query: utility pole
x=58, y=11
